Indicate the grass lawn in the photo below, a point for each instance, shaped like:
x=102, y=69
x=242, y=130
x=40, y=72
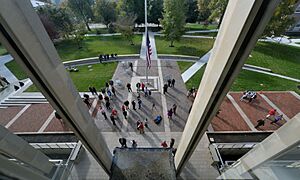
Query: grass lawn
x=183, y=65
x=95, y=76
x=93, y=46
x=2, y=50
x=196, y=26
x=16, y=70
x=248, y=80
x=186, y=46
x=281, y=59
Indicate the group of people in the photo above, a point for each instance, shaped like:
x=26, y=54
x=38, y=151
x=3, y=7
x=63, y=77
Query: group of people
x=172, y=111
x=272, y=116
x=170, y=83
x=164, y=144
x=123, y=142
x=192, y=92
x=248, y=95
x=3, y=81
x=106, y=57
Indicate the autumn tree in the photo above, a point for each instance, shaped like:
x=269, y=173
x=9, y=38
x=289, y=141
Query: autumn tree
x=174, y=20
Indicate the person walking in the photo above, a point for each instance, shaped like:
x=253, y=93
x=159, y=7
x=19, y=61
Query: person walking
x=103, y=113
x=169, y=82
x=131, y=66
x=153, y=107
x=277, y=118
x=87, y=102
x=173, y=83
x=174, y=108
x=111, y=83
x=271, y=114
x=125, y=114
x=143, y=86
x=140, y=103
x=133, y=144
x=133, y=104
x=146, y=91
x=149, y=92
x=123, y=142
x=172, y=142
x=138, y=86
x=164, y=144
x=170, y=113
x=260, y=122
x=100, y=97
x=141, y=128
x=95, y=91
x=146, y=123
x=165, y=89
x=126, y=103
x=113, y=90
x=91, y=90
x=129, y=87
x=107, y=105
x=112, y=118
x=106, y=85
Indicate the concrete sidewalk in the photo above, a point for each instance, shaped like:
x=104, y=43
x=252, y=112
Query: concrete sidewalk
x=195, y=67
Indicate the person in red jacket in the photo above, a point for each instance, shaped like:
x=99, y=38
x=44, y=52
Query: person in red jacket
x=271, y=114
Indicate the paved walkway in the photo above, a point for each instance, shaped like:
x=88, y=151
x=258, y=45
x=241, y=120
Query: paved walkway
x=195, y=67
x=4, y=71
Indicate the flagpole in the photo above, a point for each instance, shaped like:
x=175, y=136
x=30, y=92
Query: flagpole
x=146, y=31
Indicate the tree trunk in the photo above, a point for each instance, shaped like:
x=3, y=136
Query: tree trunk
x=171, y=45
x=87, y=26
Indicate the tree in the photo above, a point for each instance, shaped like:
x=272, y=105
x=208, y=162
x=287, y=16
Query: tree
x=192, y=12
x=105, y=11
x=132, y=8
x=155, y=11
x=82, y=9
x=125, y=25
x=203, y=9
x=173, y=20
x=281, y=19
x=56, y=21
x=217, y=8
x=78, y=35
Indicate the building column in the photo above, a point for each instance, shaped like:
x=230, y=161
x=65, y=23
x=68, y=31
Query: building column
x=23, y=35
x=241, y=27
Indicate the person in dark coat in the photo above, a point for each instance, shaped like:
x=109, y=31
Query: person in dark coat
x=113, y=90
x=129, y=87
x=133, y=104
x=95, y=90
x=172, y=142
x=125, y=114
x=169, y=82
x=165, y=89
x=173, y=82
x=112, y=118
x=123, y=142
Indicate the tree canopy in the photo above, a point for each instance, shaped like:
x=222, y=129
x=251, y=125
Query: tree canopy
x=281, y=19
x=155, y=10
x=105, y=11
x=132, y=8
x=174, y=19
x=192, y=11
x=125, y=25
x=82, y=9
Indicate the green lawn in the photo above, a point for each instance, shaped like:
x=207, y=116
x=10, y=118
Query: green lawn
x=93, y=46
x=16, y=70
x=2, y=50
x=247, y=80
x=195, y=26
x=186, y=46
x=281, y=59
x=95, y=76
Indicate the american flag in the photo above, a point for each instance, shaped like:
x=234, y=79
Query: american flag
x=149, y=51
